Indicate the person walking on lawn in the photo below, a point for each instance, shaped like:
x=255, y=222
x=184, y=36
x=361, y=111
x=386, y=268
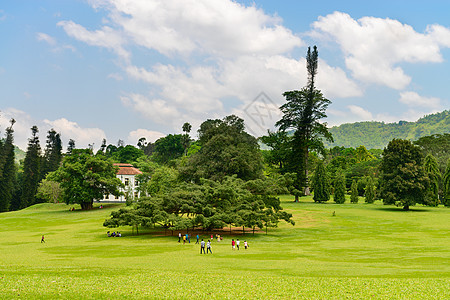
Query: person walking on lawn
x=202, y=247
x=208, y=247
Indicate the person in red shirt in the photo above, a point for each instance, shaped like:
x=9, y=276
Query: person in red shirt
x=233, y=244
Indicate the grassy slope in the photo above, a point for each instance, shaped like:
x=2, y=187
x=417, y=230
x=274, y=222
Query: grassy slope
x=365, y=251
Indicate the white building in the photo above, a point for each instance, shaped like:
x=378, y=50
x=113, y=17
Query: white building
x=127, y=174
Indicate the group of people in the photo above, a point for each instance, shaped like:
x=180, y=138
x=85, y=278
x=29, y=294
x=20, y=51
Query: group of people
x=236, y=244
x=114, y=234
x=186, y=238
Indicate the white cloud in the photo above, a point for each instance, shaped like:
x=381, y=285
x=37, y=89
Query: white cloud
x=149, y=135
x=373, y=47
x=71, y=130
x=107, y=37
x=414, y=99
x=361, y=113
x=156, y=110
x=46, y=38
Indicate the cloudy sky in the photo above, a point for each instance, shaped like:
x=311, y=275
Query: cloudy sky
x=125, y=69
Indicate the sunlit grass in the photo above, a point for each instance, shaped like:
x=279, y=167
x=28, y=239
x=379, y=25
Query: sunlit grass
x=364, y=251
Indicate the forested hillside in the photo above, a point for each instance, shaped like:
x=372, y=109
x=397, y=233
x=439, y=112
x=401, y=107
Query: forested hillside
x=376, y=135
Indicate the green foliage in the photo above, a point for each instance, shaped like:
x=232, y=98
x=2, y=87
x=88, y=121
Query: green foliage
x=31, y=170
x=339, y=188
x=433, y=173
x=437, y=145
x=370, y=190
x=376, y=135
x=85, y=177
x=403, y=178
x=354, y=197
x=321, y=184
x=168, y=148
x=209, y=205
x=446, y=185
x=301, y=113
x=52, y=154
x=279, y=144
x=226, y=149
x=7, y=169
x=50, y=191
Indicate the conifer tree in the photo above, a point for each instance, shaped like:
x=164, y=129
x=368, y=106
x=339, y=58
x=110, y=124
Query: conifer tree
x=70, y=146
x=354, y=193
x=31, y=170
x=321, y=184
x=339, y=187
x=8, y=175
x=370, y=190
x=432, y=169
x=53, y=153
x=446, y=185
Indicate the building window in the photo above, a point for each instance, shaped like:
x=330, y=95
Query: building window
x=117, y=197
x=127, y=180
x=136, y=182
x=136, y=194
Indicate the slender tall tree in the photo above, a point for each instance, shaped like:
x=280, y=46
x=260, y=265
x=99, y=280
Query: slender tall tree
x=370, y=190
x=186, y=139
x=339, y=187
x=354, y=198
x=8, y=175
x=432, y=169
x=321, y=183
x=70, y=146
x=53, y=153
x=31, y=170
x=446, y=185
x=301, y=113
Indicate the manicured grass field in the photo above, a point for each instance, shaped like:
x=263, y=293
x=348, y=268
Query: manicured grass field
x=365, y=251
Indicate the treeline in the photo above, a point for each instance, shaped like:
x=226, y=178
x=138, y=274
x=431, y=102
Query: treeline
x=376, y=135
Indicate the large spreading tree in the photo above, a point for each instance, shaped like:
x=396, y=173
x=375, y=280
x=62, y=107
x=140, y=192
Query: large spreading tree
x=403, y=180
x=226, y=150
x=301, y=114
x=85, y=177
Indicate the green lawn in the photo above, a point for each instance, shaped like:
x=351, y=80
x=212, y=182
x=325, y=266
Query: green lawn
x=365, y=251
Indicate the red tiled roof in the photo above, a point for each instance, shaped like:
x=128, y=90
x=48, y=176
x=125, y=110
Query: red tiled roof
x=127, y=169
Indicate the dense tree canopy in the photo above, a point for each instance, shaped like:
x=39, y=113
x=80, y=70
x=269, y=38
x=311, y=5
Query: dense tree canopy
x=226, y=149
x=403, y=178
x=209, y=205
x=85, y=178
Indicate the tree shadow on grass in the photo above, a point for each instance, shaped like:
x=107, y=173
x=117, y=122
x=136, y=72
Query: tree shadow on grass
x=400, y=209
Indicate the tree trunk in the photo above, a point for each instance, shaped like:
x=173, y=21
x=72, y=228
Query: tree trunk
x=243, y=230
x=296, y=198
x=406, y=207
x=86, y=205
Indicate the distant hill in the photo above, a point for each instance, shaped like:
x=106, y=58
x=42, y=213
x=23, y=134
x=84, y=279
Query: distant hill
x=19, y=154
x=376, y=135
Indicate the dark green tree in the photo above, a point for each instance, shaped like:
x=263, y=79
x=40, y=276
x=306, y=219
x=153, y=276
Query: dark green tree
x=301, y=113
x=85, y=178
x=186, y=139
x=339, y=188
x=354, y=197
x=128, y=154
x=446, y=186
x=52, y=154
x=403, y=180
x=168, y=148
x=370, y=190
x=31, y=170
x=226, y=149
x=321, y=184
x=279, y=143
x=432, y=170
x=8, y=169
x=70, y=146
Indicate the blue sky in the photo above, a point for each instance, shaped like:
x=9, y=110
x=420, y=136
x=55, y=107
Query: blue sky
x=140, y=68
